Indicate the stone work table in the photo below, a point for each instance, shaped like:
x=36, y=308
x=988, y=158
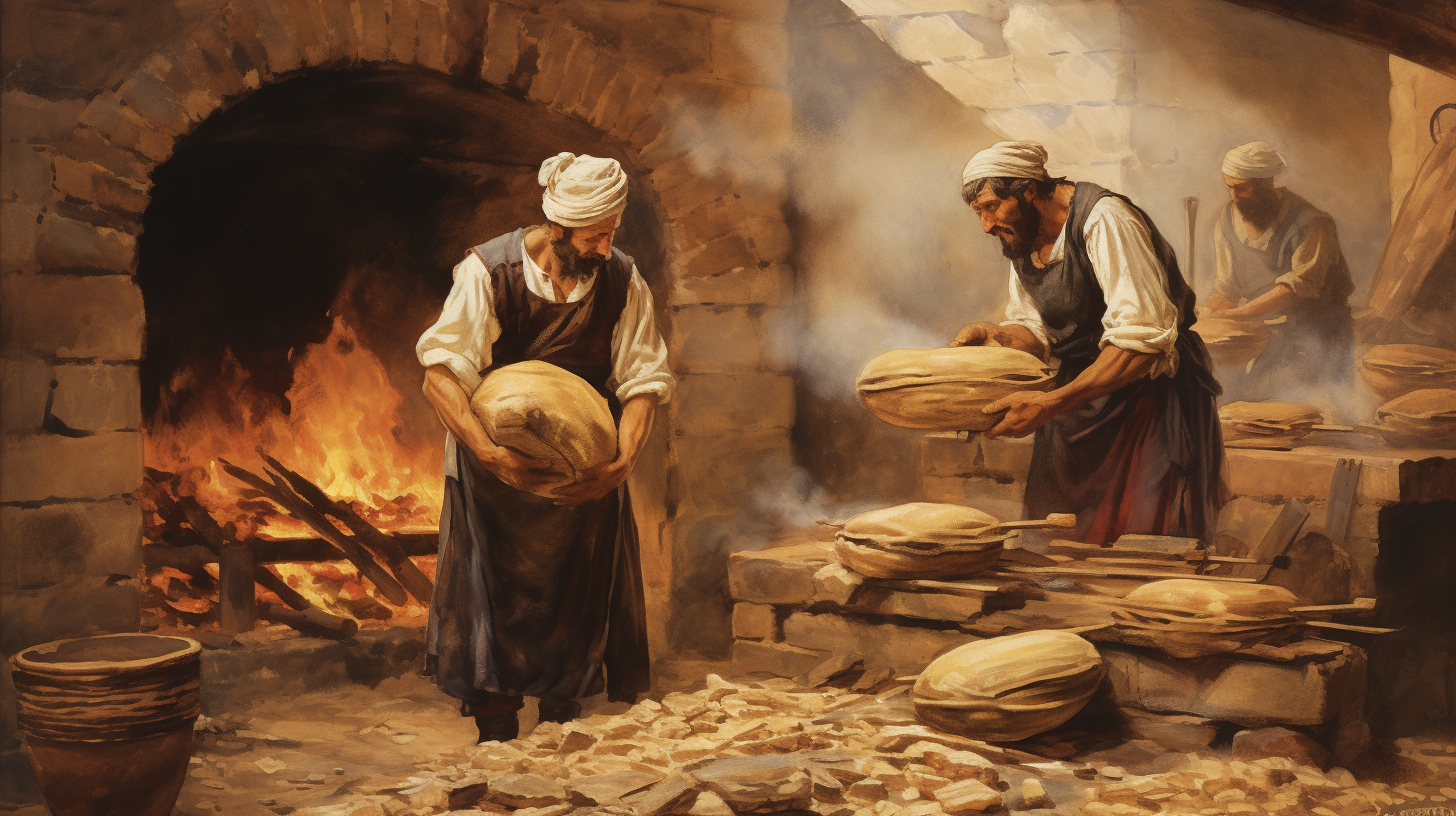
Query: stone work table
x=795, y=608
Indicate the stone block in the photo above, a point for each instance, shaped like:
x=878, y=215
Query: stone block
x=123, y=128
x=403, y=30
x=723, y=255
x=750, y=52
x=155, y=104
x=933, y=606
x=1239, y=689
x=771, y=285
x=552, y=56
x=934, y=37
x=432, y=36
x=905, y=648
x=579, y=68
x=343, y=36
x=1004, y=500
x=48, y=467
x=75, y=606
x=1076, y=79
x=264, y=19
x=87, y=146
x=640, y=106
x=1075, y=136
x=608, y=106
x=716, y=339
x=779, y=575
x=1266, y=743
x=1306, y=474
x=604, y=74
x=1176, y=732
x=778, y=659
x=95, y=184
x=755, y=622
x=97, y=398
x=1072, y=28
x=726, y=403
x=25, y=173
x=66, y=244
x=26, y=386
x=46, y=544
x=769, y=237
x=951, y=454
x=73, y=317
x=713, y=473
x=30, y=118
x=371, y=19
x=20, y=224
x=988, y=84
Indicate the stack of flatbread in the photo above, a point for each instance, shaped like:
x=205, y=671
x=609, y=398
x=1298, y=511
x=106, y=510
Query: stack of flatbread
x=944, y=389
x=1267, y=424
x=1191, y=618
x=545, y=411
x=1232, y=342
x=1421, y=419
x=920, y=540
x=1398, y=369
x=1009, y=688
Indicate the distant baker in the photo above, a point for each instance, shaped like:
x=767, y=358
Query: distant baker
x=1129, y=438
x=1279, y=260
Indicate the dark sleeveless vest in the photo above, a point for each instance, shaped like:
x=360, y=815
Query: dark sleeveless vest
x=575, y=336
x=1256, y=271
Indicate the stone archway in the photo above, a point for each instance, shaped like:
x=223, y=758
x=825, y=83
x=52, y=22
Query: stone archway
x=74, y=312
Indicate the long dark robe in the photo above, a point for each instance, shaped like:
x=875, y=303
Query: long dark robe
x=1313, y=348
x=1146, y=458
x=532, y=598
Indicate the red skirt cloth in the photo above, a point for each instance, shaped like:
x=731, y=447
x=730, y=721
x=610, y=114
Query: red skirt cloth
x=1143, y=460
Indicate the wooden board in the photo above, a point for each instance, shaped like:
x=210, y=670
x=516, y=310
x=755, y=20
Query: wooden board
x=1342, y=499
x=1422, y=232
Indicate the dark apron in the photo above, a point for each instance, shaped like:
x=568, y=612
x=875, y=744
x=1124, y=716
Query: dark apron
x=531, y=598
x=1147, y=458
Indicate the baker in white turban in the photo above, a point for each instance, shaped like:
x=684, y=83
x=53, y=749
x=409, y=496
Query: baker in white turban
x=1255, y=160
x=1128, y=440
x=526, y=586
x=1277, y=258
x=582, y=190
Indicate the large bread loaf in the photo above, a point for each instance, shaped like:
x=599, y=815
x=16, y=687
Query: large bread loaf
x=545, y=411
x=944, y=389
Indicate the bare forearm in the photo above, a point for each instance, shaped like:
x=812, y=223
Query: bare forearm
x=1021, y=338
x=1219, y=303
x=1271, y=301
x=632, y=430
x=1115, y=368
x=444, y=391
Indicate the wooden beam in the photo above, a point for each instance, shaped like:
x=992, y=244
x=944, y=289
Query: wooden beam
x=1422, y=31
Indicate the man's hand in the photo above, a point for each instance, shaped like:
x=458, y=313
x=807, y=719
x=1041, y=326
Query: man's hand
x=595, y=483
x=515, y=469
x=980, y=333
x=1025, y=412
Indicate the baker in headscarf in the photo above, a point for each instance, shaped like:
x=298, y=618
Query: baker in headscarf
x=1128, y=439
x=536, y=596
x=1278, y=260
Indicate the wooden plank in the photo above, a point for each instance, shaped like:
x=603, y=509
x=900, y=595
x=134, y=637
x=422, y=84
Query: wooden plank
x=1342, y=499
x=1350, y=627
x=1421, y=234
x=237, y=602
x=1112, y=571
x=961, y=587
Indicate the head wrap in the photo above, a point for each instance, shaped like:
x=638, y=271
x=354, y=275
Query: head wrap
x=1007, y=160
x=1255, y=160
x=582, y=190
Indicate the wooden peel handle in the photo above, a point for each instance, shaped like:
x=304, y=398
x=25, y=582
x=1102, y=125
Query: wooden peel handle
x=1064, y=520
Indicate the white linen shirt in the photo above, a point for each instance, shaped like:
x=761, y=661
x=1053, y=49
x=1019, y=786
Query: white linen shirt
x=1140, y=315
x=461, y=339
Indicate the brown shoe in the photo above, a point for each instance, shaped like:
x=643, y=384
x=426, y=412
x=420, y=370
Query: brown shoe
x=558, y=711
x=498, y=727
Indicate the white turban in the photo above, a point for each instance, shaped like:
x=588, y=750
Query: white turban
x=1255, y=160
x=1006, y=160
x=582, y=190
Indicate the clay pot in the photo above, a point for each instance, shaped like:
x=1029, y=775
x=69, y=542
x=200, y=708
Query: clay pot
x=108, y=721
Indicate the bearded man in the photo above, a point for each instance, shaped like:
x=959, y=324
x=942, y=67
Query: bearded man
x=1279, y=260
x=1128, y=439
x=538, y=596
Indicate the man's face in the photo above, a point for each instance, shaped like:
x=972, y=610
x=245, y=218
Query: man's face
x=1015, y=220
x=587, y=249
x=1255, y=199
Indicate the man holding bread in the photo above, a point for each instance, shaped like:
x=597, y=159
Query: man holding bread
x=538, y=595
x=1128, y=439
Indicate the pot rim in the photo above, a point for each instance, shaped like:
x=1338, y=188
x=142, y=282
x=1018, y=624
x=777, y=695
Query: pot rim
x=19, y=662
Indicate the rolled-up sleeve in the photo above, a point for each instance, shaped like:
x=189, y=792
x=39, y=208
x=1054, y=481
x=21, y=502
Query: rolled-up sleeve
x=1140, y=316
x=1316, y=253
x=1020, y=311
x=639, y=356
x=461, y=339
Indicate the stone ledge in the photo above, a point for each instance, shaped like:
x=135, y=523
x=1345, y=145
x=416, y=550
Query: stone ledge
x=779, y=575
x=907, y=649
x=755, y=622
x=778, y=659
x=1393, y=475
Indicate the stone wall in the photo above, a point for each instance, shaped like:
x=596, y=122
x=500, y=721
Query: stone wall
x=85, y=126
x=1144, y=97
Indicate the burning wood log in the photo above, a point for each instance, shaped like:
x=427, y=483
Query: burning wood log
x=215, y=539
x=311, y=622
x=380, y=545
x=193, y=556
x=279, y=492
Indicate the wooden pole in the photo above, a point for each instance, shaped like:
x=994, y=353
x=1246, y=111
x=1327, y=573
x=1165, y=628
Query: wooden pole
x=237, y=603
x=212, y=535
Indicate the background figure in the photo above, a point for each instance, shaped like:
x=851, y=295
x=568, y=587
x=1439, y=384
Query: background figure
x=1279, y=261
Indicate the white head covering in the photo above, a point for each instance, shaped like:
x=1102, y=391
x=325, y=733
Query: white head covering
x=582, y=190
x=1006, y=160
x=1255, y=160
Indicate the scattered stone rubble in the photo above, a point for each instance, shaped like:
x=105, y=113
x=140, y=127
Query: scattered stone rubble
x=772, y=746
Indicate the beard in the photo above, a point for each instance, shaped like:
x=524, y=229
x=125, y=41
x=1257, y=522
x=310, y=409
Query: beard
x=1016, y=241
x=573, y=264
x=1259, y=209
